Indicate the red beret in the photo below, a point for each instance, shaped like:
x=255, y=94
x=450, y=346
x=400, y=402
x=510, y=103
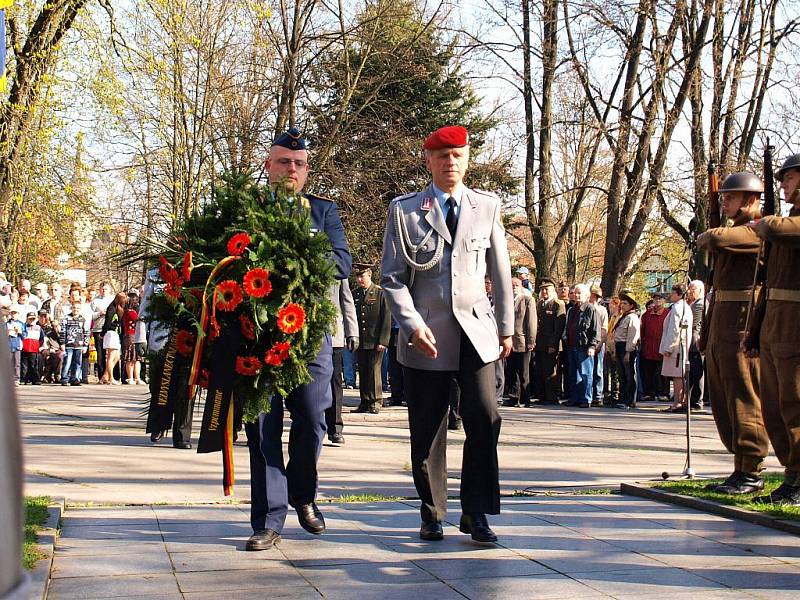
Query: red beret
x=452, y=136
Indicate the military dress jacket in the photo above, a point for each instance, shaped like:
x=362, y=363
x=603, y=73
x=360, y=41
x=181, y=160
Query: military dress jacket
x=374, y=317
x=551, y=319
x=325, y=218
x=451, y=296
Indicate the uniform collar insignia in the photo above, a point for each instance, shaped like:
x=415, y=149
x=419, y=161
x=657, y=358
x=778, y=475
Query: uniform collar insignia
x=427, y=204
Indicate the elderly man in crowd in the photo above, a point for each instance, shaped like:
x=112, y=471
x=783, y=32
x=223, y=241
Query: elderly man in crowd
x=581, y=338
x=522, y=344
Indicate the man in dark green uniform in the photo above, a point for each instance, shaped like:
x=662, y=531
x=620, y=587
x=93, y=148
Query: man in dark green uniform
x=374, y=329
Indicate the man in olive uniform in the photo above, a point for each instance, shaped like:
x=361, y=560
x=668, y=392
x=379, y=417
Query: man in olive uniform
x=780, y=332
x=374, y=330
x=551, y=318
x=733, y=378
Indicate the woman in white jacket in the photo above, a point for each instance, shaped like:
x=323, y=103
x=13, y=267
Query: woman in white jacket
x=674, y=346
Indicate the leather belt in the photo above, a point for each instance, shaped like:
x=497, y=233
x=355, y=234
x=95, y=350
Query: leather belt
x=732, y=295
x=783, y=295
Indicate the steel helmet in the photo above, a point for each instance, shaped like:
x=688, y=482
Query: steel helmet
x=742, y=182
x=793, y=162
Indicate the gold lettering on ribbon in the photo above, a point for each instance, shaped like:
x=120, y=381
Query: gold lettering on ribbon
x=166, y=375
x=213, y=424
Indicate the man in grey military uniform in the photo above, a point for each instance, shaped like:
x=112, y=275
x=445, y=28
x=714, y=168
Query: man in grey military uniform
x=439, y=245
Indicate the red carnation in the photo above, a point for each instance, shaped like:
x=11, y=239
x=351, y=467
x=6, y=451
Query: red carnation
x=248, y=365
x=291, y=318
x=186, y=268
x=184, y=342
x=277, y=354
x=238, y=243
x=247, y=327
x=228, y=295
x=172, y=292
x=168, y=273
x=256, y=283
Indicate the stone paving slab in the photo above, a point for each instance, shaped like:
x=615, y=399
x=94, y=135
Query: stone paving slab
x=550, y=547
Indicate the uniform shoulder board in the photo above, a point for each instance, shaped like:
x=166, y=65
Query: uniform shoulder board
x=315, y=197
x=404, y=196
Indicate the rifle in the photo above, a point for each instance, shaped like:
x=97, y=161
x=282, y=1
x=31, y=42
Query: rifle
x=714, y=218
x=756, y=307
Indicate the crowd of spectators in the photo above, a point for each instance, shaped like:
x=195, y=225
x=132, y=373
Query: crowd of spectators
x=610, y=352
x=75, y=337
x=571, y=346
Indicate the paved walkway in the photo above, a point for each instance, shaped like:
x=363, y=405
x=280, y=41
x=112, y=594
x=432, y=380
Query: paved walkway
x=550, y=547
x=88, y=444
x=168, y=531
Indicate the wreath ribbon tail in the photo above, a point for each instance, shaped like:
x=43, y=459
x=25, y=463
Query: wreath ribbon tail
x=228, y=473
x=194, y=373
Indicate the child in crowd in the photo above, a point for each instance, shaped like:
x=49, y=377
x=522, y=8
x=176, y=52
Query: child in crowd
x=32, y=341
x=16, y=332
x=74, y=335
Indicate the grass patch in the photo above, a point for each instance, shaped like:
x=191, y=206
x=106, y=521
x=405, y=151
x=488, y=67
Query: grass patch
x=362, y=498
x=35, y=517
x=596, y=492
x=697, y=489
x=590, y=491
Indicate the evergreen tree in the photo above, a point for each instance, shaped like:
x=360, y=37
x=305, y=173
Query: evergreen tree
x=409, y=84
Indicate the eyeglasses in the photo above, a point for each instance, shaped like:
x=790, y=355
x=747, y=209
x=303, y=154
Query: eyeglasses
x=288, y=162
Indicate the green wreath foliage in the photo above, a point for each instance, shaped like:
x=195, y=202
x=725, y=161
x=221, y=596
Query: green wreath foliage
x=301, y=272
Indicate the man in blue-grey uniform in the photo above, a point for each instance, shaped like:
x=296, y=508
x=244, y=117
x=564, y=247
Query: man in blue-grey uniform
x=272, y=486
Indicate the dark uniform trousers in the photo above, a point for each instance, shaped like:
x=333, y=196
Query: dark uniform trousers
x=333, y=414
x=546, y=376
x=395, y=371
x=427, y=395
x=517, y=378
x=272, y=485
x=370, y=385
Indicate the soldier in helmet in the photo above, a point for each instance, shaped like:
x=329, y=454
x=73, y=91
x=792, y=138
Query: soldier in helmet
x=779, y=334
x=733, y=377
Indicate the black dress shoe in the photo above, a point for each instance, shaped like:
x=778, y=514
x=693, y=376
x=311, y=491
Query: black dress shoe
x=156, y=436
x=478, y=527
x=337, y=438
x=740, y=483
x=431, y=531
x=696, y=407
x=182, y=445
x=263, y=539
x=374, y=409
x=311, y=518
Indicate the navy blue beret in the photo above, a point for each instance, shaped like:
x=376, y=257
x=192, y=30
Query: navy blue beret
x=291, y=139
